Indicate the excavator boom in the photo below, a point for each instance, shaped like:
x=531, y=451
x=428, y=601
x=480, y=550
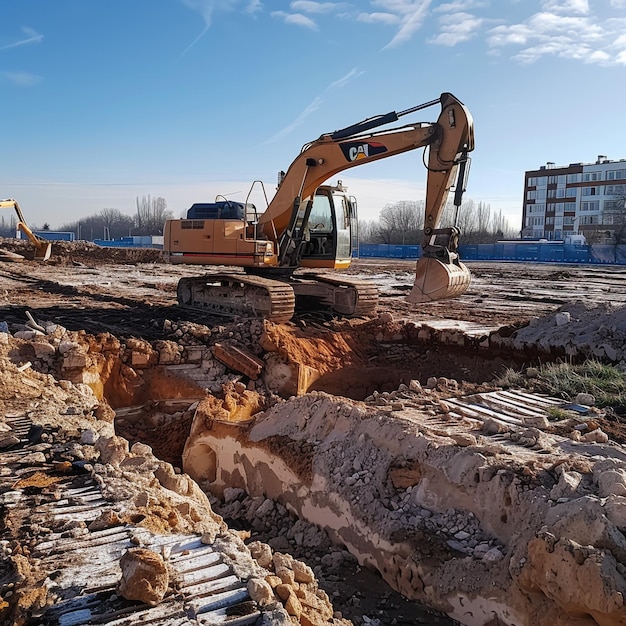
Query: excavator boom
x=42, y=246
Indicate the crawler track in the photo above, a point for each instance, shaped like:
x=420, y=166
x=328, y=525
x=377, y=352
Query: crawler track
x=234, y=294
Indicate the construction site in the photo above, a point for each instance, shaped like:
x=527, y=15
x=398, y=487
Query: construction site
x=161, y=466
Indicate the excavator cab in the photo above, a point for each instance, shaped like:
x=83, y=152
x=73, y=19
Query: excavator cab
x=328, y=230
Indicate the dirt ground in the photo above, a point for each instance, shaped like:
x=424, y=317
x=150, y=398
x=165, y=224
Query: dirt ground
x=132, y=293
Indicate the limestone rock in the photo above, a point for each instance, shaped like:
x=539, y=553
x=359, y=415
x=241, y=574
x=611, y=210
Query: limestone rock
x=144, y=576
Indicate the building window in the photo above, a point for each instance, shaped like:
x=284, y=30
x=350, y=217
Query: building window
x=590, y=176
x=532, y=182
x=591, y=191
x=558, y=221
x=570, y=206
x=551, y=193
x=615, y=174
x=593, y=205
x=570, y=192
x=549, y=221
x=560, y=193
x=531, y=195
x=574, y=178
x=589, y=219
x=610, y=205
x=561, y=179
x=615, y=190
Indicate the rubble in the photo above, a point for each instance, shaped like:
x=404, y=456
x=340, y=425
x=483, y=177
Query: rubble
x=243, y=468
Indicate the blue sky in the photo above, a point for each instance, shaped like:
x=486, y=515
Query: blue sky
x=104, y=101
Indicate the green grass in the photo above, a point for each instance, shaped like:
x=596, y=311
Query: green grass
x=605, y=382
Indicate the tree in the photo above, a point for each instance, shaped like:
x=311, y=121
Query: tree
x=151, y=215
x=401, y=223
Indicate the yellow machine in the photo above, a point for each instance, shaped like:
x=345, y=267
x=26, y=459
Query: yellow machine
x=42, y=246
x=311, y=225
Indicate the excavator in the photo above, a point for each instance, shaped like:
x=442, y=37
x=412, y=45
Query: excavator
x=309, y=224
x=42, y=246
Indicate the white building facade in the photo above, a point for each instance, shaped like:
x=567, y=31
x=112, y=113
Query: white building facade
x=579, y=198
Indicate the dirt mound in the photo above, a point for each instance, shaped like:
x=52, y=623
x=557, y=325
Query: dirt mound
x=72, y=252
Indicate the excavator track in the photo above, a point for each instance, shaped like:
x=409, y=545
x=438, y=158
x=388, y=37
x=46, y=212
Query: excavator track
x=351, y=298
x=238, y=294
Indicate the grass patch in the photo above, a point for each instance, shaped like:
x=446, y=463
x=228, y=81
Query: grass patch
x=605, y=382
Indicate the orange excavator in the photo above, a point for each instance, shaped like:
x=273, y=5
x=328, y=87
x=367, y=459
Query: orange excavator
x=309, y=224
x=42, y=246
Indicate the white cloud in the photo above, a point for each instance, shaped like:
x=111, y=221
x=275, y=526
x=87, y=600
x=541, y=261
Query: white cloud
x=566, y=29
x=295, y=18
x=32, y=36
x=317, y=102
x=344, y=80
x=378, y=18
x=307, y=6
x=459, y=5
x=580, y=7
x=21, y=79
x=411, y=22
x=618, y=4
x=311, y=108
x=206, y=8
x=457, y=27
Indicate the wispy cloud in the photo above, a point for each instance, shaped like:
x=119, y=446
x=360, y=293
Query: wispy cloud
x=21, y=79
x=456, y=28
x=296, y=19
x=307, y=6
x=32, y=36
x=566, y=29
x=315, y=105
x=579, y=30
x=411, y=21
x=206, y=8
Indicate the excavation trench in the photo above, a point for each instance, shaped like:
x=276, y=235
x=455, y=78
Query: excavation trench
x=397, y=447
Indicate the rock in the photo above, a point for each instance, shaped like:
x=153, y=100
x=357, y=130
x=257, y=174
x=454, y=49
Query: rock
x=144, y=576
x=536, y=421
x=562, y=318
x=493, y=556
x=415, y=386
x=464, y=439
x=585, y=399
x=260, y=591
x=567, y=486
x=595, y=436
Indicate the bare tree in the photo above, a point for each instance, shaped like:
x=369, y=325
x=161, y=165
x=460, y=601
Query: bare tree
x=151, y=215
x=401, y=222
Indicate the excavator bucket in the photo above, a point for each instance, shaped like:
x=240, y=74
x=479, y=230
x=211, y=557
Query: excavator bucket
x=436, y=280
x=43, y=250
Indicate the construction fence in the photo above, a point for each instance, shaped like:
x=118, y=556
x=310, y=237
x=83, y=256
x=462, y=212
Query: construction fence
x=523, y=252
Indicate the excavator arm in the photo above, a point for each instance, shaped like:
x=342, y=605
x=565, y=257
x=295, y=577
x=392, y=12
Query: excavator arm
x=450, y=139
x=42, y=246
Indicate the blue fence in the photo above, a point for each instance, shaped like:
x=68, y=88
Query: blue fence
x=537, y=252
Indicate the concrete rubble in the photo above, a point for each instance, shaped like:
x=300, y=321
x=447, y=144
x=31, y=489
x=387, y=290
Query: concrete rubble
x=464, y=497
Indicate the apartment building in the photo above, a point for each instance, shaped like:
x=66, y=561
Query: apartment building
x=577, y=198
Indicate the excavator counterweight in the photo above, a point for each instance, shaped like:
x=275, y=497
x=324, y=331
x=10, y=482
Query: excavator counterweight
x=310, y=224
